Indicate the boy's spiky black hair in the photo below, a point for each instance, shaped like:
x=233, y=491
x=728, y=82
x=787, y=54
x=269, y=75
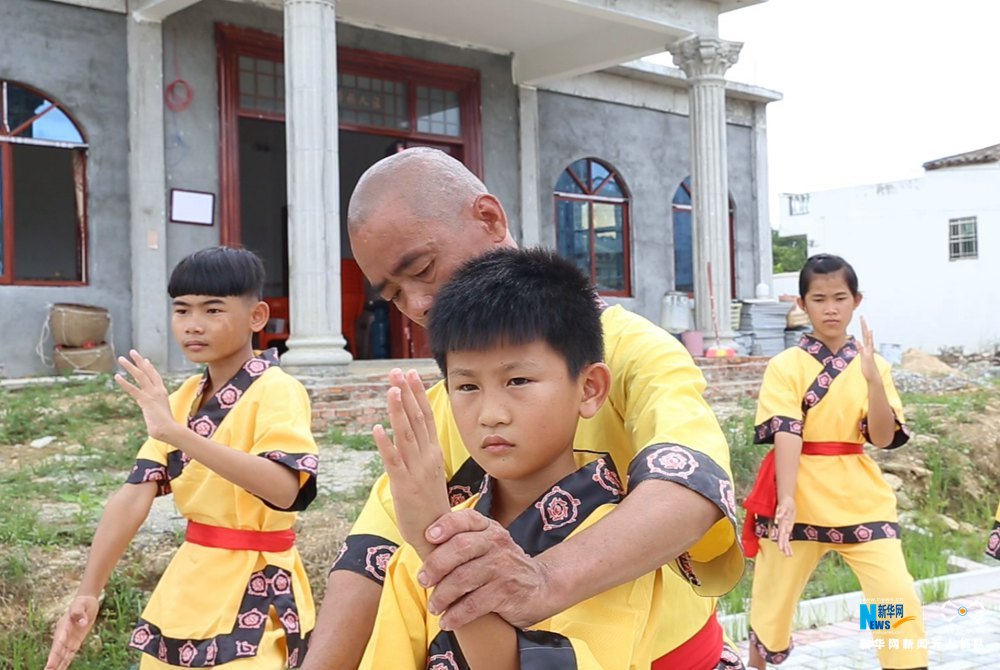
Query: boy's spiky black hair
x=824, y=264
x=512, y=296
x=218, y=271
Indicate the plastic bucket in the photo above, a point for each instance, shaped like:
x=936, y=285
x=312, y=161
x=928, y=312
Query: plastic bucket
x=694, y=341
x=78, y=325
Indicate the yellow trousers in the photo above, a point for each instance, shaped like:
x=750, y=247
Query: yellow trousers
x=779, y=580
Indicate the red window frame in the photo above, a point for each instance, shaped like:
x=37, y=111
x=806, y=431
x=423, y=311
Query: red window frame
x=235, y=41
x=592, y=197
x=8, y=138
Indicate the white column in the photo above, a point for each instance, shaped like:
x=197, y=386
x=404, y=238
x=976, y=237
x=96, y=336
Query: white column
x=758, y=150
x=147, y=190
x=313, y=185
x=531, y=233
x=705, y=61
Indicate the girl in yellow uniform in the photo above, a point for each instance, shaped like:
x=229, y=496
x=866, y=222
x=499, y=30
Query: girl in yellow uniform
x=993, y=544
x=817, y=491
x=235, y=448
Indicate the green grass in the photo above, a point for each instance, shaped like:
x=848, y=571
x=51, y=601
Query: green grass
x=25, y=646
x=353, y=441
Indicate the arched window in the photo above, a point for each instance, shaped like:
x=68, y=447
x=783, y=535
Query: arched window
x=684, y=243
x=43, y=190
x=592, y=220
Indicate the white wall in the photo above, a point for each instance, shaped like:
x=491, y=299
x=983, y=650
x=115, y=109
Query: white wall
x=896, y=237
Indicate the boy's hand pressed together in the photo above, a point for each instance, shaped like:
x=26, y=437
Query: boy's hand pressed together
x=413, y=460
x=149, y=393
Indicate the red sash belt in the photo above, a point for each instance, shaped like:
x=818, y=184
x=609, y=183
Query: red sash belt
x=245, y=540
x=702, y=651
x=763, y=498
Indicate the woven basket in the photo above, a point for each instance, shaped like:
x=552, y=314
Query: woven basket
x=70, y=360
x=78, y=325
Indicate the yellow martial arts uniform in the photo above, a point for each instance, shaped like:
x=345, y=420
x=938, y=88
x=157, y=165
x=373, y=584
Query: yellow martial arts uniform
x=231, y=608
x=655, y=425
x=993, y=544
x=607, y=631
x=843, y=503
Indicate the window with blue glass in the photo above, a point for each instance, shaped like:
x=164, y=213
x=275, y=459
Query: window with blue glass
x=684, y=244
x=592, y=224
x=42, y=190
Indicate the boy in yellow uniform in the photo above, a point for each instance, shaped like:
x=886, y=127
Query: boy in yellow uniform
x=235, y=448
x=519, y=376
x=414, y=218
x=817, y=491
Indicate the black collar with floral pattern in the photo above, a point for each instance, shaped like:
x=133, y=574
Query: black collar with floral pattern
x=558, y=512
x=833, y=364
x=205, y=421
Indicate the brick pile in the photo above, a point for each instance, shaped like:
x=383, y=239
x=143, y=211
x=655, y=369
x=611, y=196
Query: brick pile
x=355, y=401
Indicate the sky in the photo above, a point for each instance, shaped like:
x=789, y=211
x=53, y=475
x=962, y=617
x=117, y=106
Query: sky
x=872, y=88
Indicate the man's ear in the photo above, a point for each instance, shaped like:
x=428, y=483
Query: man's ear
x=595, y=381
x=259, y=314
x=488, y=210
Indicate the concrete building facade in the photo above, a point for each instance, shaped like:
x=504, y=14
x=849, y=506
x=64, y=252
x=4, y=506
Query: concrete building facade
x=926, y=250
x=269, y=111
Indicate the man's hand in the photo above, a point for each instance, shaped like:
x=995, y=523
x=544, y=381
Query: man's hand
x=476, y=568
x=413, y=459
x=149, y=393
x=71, y=631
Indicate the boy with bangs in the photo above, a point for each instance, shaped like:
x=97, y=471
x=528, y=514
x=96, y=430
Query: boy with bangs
x=519, y=375
x=234, y=445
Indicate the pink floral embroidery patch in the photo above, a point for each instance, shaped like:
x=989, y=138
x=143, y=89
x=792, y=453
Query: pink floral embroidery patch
x=228, y=396
x=377, y=560
x=258, y=585
x=458, y=494
x=244, y=648
x=672, y=462
x=290, y=620
x=187, y=653
x=211, y=652
x=281, y=583
x=252, y=619
x=558, y=508
x=308, y=463
x=607, y=478
x=445, y=661
x=203, y=426
x=255, y=367
x=140, y=637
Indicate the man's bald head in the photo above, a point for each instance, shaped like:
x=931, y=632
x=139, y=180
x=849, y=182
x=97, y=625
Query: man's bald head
x=433, y=186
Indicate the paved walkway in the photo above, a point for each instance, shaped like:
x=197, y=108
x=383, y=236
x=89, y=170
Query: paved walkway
x=956, y=641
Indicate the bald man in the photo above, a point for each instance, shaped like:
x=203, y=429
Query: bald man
x=414, y=218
